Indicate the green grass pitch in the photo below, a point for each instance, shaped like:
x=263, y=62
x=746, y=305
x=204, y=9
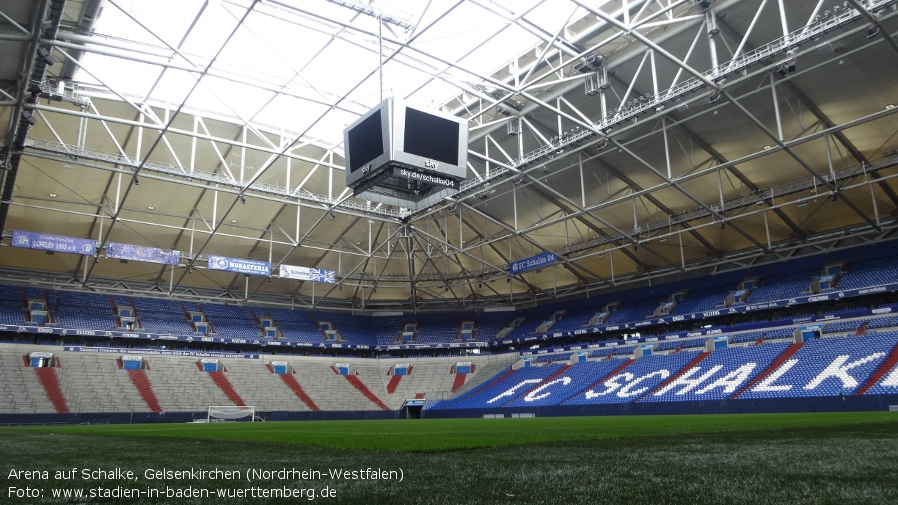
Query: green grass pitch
x=836, y=458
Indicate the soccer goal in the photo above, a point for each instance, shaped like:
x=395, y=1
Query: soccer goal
x=225, y=413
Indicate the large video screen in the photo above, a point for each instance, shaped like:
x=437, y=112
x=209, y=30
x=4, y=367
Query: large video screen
x=365, y=141
x=431, y=136
x=394, y=147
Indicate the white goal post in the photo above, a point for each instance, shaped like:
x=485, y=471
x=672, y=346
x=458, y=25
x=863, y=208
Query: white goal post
x=221, y=413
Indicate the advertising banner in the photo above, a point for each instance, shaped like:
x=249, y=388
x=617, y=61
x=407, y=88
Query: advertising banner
x=55, y=243
x=240, y=266
x=141, y=253
x=538, y=261
x=308, y=274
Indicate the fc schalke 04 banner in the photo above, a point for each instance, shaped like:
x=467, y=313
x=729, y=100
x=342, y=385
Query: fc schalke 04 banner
x=55, y=243
x=141, y=253
x=239, y=266
x=538, y=261
x=308, y=274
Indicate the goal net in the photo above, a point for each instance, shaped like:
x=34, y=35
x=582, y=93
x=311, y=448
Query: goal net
x=230, y=413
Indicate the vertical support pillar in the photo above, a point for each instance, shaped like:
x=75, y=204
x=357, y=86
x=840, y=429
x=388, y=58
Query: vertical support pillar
x=720, y=192
x=582, y=186
x=193, y=140
x=270, y=244
x=611, y=263
x=243, y=155
x=514, y=203
x=192, y=231
x=776, y=109
x=666, y=146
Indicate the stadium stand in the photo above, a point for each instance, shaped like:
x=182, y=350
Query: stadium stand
x=857, y=356
x=864, y=267
x=96, y=382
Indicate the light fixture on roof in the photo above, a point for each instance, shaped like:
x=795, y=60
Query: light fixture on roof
x=589, y=64
x=889, y=106
x=873, y=30
x=234, y=221
x=243, y=199
x=454, y=206
x=136, y=181
x=28, y=118
x=44, y=55
x=331, y=215
x=788, y=66
x=150, y=207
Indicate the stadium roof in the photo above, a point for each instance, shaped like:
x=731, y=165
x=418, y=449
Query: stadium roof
x=632, y=139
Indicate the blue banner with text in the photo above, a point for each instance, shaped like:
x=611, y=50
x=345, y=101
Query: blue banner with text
x=538, y=261
x=54, y=243
x=240, y=266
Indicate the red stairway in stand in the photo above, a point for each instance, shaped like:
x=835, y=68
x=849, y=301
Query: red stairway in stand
x=50, y=382
x=142, y=383
x=498, y=379
x=459, y=381
x=609, y=375
x=394, y=381
x=294, y=386
x=547, y=379
x=358, y=384
x=698, y=359
x=791, y=350
x=556, y=374
x=393, y=384
x=883, y=369
x=225, y=385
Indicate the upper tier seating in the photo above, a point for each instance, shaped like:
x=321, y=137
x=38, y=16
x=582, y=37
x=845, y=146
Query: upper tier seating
x=867, y=266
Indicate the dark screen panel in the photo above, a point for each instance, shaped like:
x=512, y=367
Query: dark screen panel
x=365, y=141
x=431, y=136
